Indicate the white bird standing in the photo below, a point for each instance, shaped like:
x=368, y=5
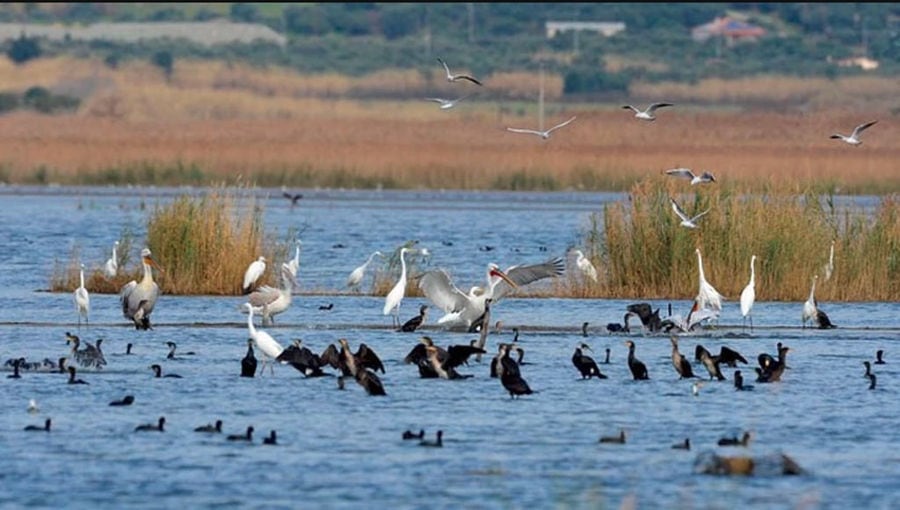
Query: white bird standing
x=138, y=299
x=463, y=309
x=395, y=296
x=748, y=295
x=254, y=271
x=446, y=104
x=112, y=264
x=269, y=301
x=357, y=274
x=687, y=173
x=543, y=134
x=707, y=296
x=829, y=267
x=82, y=300
x=810, y=307
x=853, y=139
x=585, y=265
x=648, y=113
x=294, y=264
x=456, y=77
x=686, y=221
x=267, y=345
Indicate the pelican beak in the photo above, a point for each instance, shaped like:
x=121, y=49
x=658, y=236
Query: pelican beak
x=149, y=261
x=500, y=274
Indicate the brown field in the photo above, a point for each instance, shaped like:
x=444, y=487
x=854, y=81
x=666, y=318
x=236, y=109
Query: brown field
x=215, y=121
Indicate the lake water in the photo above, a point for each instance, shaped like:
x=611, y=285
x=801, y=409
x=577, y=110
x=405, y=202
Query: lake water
x=343, y=449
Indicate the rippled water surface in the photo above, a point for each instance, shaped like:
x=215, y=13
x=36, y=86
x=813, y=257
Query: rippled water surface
x=344, y=449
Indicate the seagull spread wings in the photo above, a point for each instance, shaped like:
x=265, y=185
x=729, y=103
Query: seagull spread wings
x=685, y=219
x=862, y=127
x=681, y=172
x=455, y=77
x=523, y=275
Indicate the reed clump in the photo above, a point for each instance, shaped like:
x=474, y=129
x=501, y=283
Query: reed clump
x=642, y=251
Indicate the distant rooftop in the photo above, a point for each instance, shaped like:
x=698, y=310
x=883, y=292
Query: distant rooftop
x=607, y=28
x=207, y=33
x=729, y=28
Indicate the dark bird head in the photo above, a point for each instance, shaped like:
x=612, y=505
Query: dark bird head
x=157, y=370
x=585, y=346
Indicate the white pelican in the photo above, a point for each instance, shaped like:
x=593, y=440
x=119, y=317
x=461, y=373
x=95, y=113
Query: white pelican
x=462, y=309
x=707, y=296
x=294, y=264
x=254, y=271
x=810, y=307
x=141, y=296
x=585, y=265
x=395, y=296
x=853, y=139
x=687, y=173
x=456, y=77
x=543, y=134
x=446, y=104
x=648, y=113
x=686, y=221
x=82, y=300
x=269, y=301
x=267, y=345
x=748, y=295
x=829, y=267
x=357, y=274
x=112, y=264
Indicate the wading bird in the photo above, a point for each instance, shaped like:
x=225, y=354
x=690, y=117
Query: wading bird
x=395, y=296
x=268, y=347
x=686, y=221
x=294, y=264
x=463, y=309
x=545, y=135
x=253, y=273
x=748, y=295
x=510, y=377
x=82, y=300
x=138, y=299
x=853, y=139
x=648, y=113
x=707, y=296
x=270, y=301
x=810, y=307
x=586, y=364
x=637, y=367
x=357, y=274
x=585, y=265
x=687, y=173
x=456, y=77
x=111, y=268
x=829, y=266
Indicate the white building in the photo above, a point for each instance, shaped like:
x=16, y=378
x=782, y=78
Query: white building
x=607, y=28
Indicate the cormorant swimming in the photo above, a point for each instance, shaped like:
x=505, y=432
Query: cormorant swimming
x=248, y=436
x=412, y=435
x=209, y=427
x=271, y=439
x=437, y=443
x=151, y=427
x=45, y=428
x=157, y=371
x=619, y=439
x=127, y=401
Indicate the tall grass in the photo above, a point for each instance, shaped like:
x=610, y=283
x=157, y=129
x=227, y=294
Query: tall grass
x=643, y=252
x=204, y=244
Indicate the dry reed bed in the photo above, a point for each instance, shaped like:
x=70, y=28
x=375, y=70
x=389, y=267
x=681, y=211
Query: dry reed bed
x=643, y=253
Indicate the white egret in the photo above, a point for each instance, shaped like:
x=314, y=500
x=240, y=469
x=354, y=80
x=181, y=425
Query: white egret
x=810, y=307
x=254, y=271
x=395, y=296
x=829, y=267
x=585, y=265
x=463, y=309
x=748, y=295
x=853, y=139
x=267, y=345
x=686, y=221
x=82, y=300
x=138, y=299
x=294, y=264
x=648, y=113
x=269, y=301
x=357, y=274
x=707, y=296
x=456, y=77
x=687, y=173
x=543, y=134
x=112, y=264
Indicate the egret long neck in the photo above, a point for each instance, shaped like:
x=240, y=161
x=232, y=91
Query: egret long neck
x=752, y=272
x=700, y=264
x=402, y=265
x=82, y=277
x=250, y=325
x=812, y=291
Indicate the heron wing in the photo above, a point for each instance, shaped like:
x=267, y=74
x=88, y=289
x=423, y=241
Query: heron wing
x=437, y=287
x=523, y=275
x=566, y=123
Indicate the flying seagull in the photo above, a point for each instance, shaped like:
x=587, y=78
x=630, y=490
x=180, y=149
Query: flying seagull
x=688, y=174
x=446, y=104
x=686, y=220
x=543, y=134
x=456, y=77
x=648, y=113
x=853, y=139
